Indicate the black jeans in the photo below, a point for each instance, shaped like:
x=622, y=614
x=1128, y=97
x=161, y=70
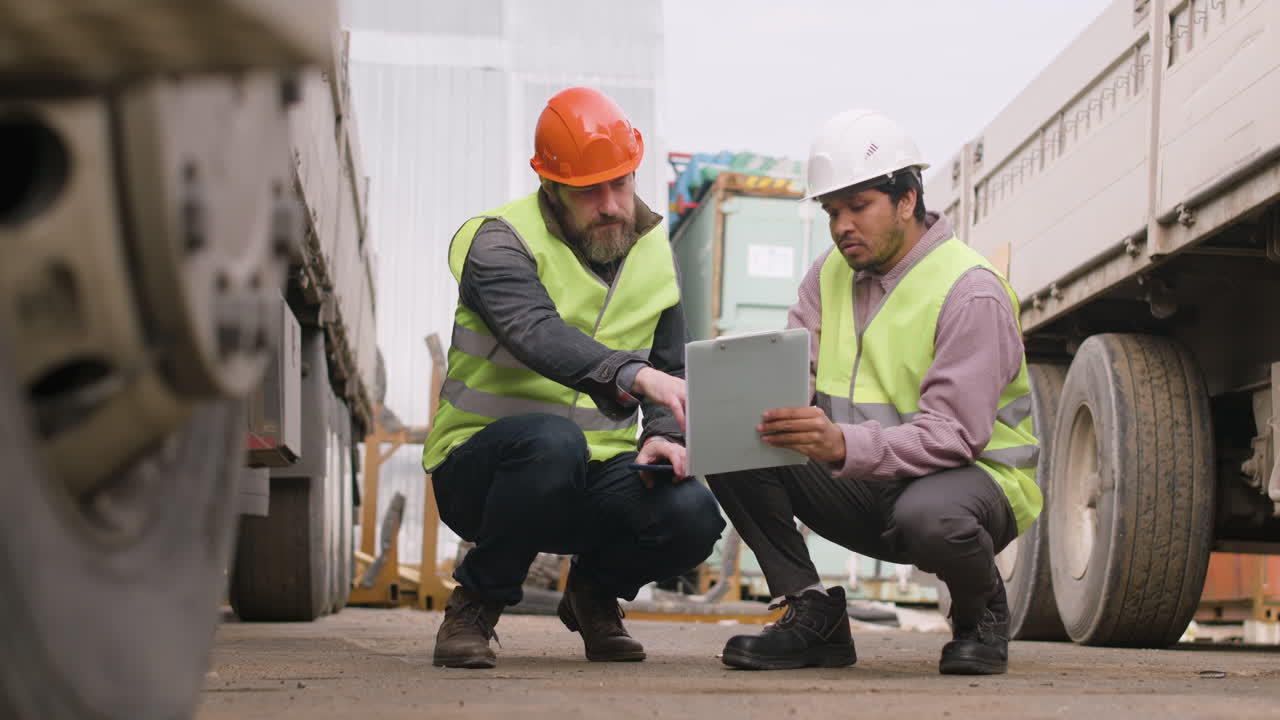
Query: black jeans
x=524, y=485
x=951, y=523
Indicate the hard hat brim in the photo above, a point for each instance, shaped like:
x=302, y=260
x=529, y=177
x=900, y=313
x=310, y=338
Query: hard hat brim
x=594, y=178
x=865, y=184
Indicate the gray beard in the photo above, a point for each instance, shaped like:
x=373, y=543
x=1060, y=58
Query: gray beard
x=607, y=248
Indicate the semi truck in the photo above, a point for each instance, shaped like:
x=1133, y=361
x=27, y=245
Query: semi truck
x=1130, y=195
x=186, y=335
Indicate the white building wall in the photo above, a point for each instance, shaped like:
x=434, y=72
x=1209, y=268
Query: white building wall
x=447, y=93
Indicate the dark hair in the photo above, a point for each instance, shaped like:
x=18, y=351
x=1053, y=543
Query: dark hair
x=897, y=186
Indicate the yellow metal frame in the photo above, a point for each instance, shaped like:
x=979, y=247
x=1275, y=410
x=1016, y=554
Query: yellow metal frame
x=395, y=584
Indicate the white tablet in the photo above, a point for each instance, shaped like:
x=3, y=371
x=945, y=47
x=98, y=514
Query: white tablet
x=732, y=381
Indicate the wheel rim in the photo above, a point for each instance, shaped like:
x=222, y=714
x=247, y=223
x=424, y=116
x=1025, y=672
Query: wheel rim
x=1082, y=492
x=1007, y=559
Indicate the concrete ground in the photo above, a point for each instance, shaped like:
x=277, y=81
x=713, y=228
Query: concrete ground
x=377, y=663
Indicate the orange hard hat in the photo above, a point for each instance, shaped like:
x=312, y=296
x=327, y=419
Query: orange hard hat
x=583, y=138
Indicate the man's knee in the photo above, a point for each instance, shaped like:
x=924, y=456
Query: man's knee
x=720, y=484
x=933, y=537
x=732, y=484
x=693, y=521
x=543, y=466
x=550, y=440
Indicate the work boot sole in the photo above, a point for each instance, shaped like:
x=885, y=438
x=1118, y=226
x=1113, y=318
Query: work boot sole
x=971, y=664
x=839, y=655
x=571, y=622
x=465, y=661
x=626, y=656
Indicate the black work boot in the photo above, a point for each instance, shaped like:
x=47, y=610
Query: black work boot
x=463, y=638
x=593, y=612
x=979, y=645
x=814, y=631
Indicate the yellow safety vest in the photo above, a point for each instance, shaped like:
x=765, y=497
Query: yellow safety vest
x=486, y=382
x=876, y=374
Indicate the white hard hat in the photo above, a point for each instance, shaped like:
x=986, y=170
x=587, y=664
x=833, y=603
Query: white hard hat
x=856, y=146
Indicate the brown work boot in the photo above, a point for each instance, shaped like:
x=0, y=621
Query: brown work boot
x=463, y=638
x=590, y=610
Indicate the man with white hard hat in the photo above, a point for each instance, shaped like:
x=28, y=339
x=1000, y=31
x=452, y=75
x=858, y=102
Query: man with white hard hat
x=920, y=441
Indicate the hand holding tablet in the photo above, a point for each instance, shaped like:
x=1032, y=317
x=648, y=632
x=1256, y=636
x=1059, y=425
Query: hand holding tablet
x=732, y=382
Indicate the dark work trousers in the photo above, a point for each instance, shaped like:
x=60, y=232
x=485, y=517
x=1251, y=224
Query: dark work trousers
x=951, y=523
x=524, y=485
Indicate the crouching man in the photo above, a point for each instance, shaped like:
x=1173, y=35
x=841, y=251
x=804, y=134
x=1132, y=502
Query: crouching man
x=568, y=322
x=920, y=438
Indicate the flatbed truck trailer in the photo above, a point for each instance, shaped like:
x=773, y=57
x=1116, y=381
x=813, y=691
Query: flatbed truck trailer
x=1131, y=193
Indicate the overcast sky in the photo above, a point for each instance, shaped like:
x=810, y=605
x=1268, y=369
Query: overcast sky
x=763, y=75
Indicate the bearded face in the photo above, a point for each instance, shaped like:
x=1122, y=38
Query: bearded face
x=599, y=220
x=868, y=229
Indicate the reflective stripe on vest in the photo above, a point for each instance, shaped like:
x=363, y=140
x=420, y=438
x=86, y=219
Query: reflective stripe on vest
x=479, y=402
x=1013, y=414
x=478, y=344
x=486, y=381
x=875, y=374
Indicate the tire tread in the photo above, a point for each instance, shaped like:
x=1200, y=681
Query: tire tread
x=272, y=580
x=1034, y=612
x=1163, y=514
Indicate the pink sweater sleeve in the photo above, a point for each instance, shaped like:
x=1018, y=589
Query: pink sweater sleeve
x=977, y=352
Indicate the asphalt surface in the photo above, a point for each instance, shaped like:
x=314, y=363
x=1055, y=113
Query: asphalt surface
x=377, y=664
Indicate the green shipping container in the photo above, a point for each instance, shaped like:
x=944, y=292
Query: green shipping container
x=742, y=253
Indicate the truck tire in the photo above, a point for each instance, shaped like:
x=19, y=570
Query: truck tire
x=1131, y=492
x=283, y=570
x=1024, y=564
x=294, y=564
x=107, y=622
x=344, y=559
x=342, y=492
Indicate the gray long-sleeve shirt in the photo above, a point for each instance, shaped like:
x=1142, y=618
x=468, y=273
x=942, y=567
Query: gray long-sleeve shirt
x=500, y=283
x=977, y=352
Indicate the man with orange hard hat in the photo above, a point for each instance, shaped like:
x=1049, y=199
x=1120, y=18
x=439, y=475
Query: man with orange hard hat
x=568, y=322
